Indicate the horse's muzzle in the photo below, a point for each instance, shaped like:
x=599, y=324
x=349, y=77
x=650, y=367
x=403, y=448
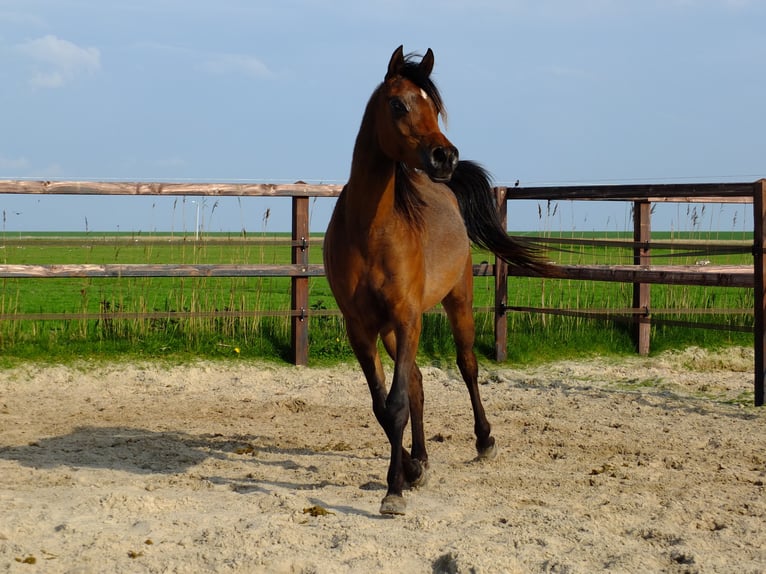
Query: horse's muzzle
x=440, y=162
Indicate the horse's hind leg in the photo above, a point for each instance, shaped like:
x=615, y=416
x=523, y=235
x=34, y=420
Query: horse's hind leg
x=458, y=305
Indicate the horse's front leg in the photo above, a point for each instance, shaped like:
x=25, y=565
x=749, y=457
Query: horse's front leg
x=416, y=471
x=414, y=465
x=390, y=409
x=397, y=413
x=364, y=344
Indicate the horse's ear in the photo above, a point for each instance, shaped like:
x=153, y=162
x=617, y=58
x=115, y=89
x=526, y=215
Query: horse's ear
x=427, y=63
x=396, y=63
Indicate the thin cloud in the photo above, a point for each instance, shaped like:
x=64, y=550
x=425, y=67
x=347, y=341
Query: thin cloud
x=214, y=63
x=20, y=19
x=239, y=64
x=57, y=62
x=11, y=163
x=171, y=162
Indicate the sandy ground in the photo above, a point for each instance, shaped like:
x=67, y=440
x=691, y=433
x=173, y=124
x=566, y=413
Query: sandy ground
x=637, y=465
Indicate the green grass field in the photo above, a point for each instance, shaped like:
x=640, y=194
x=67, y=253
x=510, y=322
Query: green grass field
x=532, y=337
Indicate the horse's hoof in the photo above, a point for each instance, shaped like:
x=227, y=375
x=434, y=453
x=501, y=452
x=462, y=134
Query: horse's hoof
x=487, y=453
x=393, y=504
x=422, y=478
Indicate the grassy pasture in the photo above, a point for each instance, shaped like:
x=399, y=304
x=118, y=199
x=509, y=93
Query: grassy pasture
x=531, y=337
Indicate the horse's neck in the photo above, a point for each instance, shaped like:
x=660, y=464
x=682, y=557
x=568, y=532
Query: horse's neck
x=370, y=190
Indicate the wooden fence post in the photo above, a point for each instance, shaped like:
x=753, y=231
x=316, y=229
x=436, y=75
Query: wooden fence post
x=299, y=292
x=759, y=270
x=642, y=231
x=501, y=284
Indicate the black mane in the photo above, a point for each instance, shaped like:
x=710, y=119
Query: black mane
x=407, y=198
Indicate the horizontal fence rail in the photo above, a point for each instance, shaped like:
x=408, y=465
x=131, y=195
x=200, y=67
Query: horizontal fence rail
x=710, y=276
x=641, y=274
x=161, y=270
x=653, y=192
x=297, y=189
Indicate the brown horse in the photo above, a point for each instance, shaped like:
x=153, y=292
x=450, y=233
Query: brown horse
x=398, y=244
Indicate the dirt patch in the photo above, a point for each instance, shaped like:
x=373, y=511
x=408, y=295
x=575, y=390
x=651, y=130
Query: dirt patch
x=633, y=465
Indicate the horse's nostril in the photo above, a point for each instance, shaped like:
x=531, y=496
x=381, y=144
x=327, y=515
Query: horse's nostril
x=453, y=157
x=444, y=156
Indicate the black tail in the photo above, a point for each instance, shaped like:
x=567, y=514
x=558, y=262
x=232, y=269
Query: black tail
x=471, y=185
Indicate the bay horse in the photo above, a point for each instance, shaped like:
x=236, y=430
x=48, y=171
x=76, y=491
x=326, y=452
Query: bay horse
x=398, y=243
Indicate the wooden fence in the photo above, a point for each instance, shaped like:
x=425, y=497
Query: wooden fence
x=641, y=274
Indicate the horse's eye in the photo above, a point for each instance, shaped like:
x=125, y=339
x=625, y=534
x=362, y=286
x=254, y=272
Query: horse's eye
x=398, y=107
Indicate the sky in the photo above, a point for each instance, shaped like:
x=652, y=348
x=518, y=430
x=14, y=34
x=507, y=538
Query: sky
x=549, y=92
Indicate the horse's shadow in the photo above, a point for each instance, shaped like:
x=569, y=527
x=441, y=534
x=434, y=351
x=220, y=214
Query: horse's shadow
x=146, y=452
x=141, y=451
x=125, y=449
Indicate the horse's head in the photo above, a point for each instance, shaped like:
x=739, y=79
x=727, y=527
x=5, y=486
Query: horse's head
x=407, y=121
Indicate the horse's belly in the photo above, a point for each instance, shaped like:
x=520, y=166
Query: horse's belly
x=442, y=277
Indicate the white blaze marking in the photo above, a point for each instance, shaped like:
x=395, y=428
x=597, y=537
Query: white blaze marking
x=423, y=94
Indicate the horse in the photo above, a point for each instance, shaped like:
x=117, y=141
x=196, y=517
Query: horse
x=398, y=243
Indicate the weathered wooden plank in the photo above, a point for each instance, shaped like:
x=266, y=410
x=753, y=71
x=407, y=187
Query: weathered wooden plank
x=708, y=275
x=627, y=311
x=500, y=272
x=242, y=313
x=170, y=270
x=638, y=192
x=142, y=315
x=93, y=239
x=151, y=270
x=161, y=188
x=642, y=233
x=694, y=192
x=759, y=288
x=703, y=199
x=299, y=292
x=697, y=246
